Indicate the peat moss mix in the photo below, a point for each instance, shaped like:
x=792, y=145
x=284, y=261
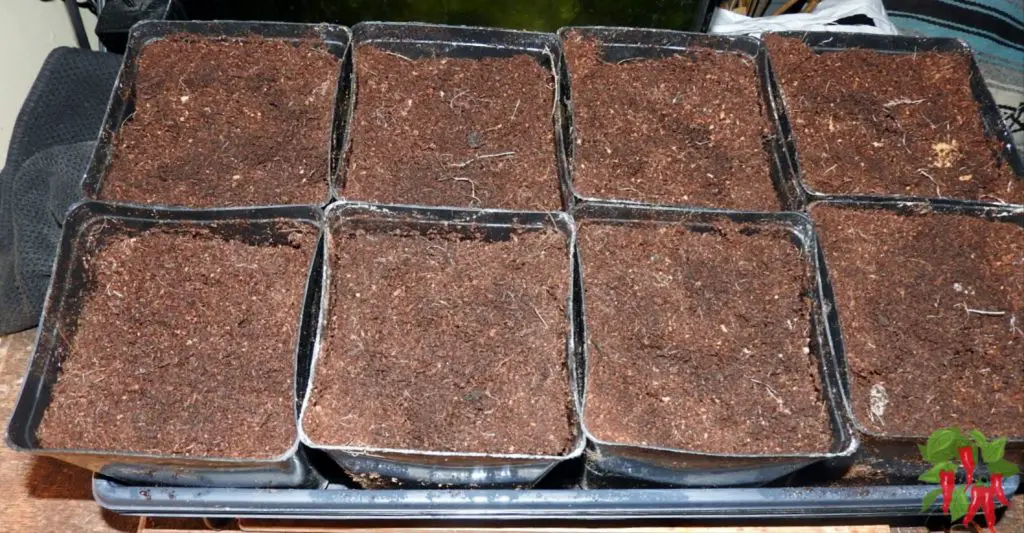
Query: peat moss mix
x=698, y=339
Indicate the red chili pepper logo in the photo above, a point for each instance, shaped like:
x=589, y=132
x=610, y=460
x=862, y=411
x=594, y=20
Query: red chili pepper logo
x=946, y=484
x=976, y=499
x=948, y=450
x=997, y=489
x=966, y=454
x=989, y=507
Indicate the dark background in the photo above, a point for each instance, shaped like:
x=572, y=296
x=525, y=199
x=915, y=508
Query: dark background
x=540, y=15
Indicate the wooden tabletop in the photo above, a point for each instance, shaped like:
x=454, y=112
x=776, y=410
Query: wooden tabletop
x=43, y=494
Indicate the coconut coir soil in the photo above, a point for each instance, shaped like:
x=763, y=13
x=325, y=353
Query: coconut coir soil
x=871, y=123
x=222, y=123
x=700, y=341
x=688, y=129
x=184, y=344
x=455, y=132
x=932, y=311
x=437, y=343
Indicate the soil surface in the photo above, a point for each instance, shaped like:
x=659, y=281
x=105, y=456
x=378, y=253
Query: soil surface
x=184, y=345
x=700, y=341
x=226, y=123
x=932, y=311
x=687, y=129
x=437, y=343
x=454, y=132
x=871, y=123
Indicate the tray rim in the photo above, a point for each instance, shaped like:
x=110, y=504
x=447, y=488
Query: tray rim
x=505, y=504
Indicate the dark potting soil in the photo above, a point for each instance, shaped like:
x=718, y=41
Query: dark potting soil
x=700, y=341
x=437, y=343
x=872, y=123
x=932, y=311
x=454, y=132
x=687, y=129
x=222, y=123
x=185, y=345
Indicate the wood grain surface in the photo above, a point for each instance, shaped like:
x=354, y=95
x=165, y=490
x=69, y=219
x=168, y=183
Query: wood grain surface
x=268, y=526
x=42, y=494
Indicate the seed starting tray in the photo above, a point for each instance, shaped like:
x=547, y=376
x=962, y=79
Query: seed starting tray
x=575, y=487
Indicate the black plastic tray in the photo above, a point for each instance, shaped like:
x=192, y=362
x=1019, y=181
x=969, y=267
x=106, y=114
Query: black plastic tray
x=808, y=503
x=291, y=469
x=122, y=99
x=618, y=464
x=430, y=468
x=895, y=456
x=824, y=42
x=618, y=44
x=417, y=40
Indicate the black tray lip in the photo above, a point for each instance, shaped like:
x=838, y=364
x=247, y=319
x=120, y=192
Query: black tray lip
x=677, y=40
x=141, y=34
x=505, y=504
x=844, y=442
x=453, y=34
x=86, y=211
x=824, y=42
x=455, y=37
x=557, y=220
x=780, y=172
x=993, y=213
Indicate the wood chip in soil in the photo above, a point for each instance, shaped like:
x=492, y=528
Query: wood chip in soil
x=700, y=340
x=184, y=344
x=883, y=124
x=221, y=123
x=453, y=132
x=932, y=311
x=686, y=129
x=443, y=344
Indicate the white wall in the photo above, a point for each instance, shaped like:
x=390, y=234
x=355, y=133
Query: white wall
x=29, y=29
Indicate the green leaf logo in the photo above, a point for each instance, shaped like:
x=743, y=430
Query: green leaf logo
x=958, y=507
x=932, y=475
x=1004, y=467
x=994, y=450
x=941, y=445
x=929, y=500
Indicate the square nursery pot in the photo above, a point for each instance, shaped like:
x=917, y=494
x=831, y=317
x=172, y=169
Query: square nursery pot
x=122, y=108
x=628, y=464
x=995, y=132
x=459, y=168
x=382, y=467
x=90, y=221
x=893, y=455
x=770, y=190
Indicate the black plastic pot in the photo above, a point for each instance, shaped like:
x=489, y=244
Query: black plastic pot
x=430, y=468
x=122, y=99
x=626, y=464
x=417, y=40
x=619, y=44
x=824, y=42
x=896, y=457
x=90, y=220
